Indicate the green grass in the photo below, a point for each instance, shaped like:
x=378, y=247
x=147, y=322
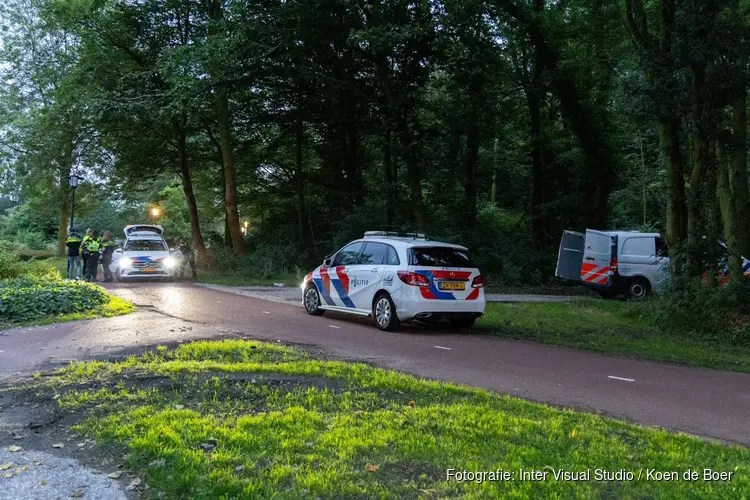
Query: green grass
x=611, y=327
x=115, y=307
x=213, y=277
x=242, y=419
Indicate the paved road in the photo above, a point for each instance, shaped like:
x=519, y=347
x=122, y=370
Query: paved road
x=292, y=295
x=704, y=402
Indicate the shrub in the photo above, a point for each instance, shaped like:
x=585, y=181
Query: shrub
x=10, y=264
x=24, y=299
x=689, y=308
x=32, y=239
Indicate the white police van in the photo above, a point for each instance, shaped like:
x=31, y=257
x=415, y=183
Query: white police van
x=144, y=255
x=396, y=277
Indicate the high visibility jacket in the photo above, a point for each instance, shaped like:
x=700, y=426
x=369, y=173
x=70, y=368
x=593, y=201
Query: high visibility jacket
x=91, y=245
x=74, y=246
x=108, y=248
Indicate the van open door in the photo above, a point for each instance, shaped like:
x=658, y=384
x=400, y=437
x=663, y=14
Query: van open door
x=570, y=256
x=597, y=258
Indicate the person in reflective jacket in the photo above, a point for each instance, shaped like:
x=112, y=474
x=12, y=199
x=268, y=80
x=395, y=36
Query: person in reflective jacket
x=108, y=248
x=91, y=245
x=73, y=242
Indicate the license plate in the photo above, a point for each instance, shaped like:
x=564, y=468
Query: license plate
x=148, y=270
x=452, y=285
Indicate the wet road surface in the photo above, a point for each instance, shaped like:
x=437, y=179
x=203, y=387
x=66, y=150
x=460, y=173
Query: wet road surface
x=705, y=402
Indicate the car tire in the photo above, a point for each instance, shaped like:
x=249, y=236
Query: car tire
x=312, y=301
x=118, y=276
x=463, y=322
x=638, y=289
x=384, y=313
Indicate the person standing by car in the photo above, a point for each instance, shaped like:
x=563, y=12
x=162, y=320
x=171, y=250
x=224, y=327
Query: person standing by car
x=107, y=250
x=188, y=257
x=73, y=242
x=91, y=247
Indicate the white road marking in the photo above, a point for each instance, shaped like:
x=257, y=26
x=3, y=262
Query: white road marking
x=266, y=312
x=441, y=347
x=2, y=351
x=620, y=378
x=336, y=327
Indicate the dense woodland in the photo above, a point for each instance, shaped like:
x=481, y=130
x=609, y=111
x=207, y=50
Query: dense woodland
x=495, y=123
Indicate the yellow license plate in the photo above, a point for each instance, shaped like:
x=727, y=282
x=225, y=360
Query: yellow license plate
x=148, y=270
x=452, y=286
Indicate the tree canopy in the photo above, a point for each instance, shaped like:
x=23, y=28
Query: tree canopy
x=494, y=123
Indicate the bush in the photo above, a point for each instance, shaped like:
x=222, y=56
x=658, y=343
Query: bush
x=28, y=298
x=10, y=265
x=32, y=239
x=263, y=262
x=689, y=308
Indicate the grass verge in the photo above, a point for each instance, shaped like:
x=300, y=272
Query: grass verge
x=115, y=307
x=612, y=327
x=239, y=419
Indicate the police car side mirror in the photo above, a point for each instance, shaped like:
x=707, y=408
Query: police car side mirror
x=327, y=262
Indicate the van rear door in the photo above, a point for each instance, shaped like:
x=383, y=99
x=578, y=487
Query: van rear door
x=597, y=256
x=570, y=256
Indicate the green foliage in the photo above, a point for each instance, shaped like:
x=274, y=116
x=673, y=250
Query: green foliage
x=31, y=297
x=704, y=311
x=260, y=263
x=10, y=264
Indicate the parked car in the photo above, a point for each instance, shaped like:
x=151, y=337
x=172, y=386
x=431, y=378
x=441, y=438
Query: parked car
x=394, y=278
x=145, y=254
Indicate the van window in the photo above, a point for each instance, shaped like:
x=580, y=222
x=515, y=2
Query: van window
x=641, y=247
x=439, y=257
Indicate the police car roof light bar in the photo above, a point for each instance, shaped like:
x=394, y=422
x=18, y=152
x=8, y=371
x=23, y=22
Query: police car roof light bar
x=394, y=234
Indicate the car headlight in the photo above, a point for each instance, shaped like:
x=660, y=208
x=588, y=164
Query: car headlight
x=170, y=262
x=125, y=262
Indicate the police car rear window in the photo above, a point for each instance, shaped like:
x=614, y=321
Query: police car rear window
x=145, y=246
x=439, y=257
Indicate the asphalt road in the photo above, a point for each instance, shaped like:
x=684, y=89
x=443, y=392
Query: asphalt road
x=705, y=402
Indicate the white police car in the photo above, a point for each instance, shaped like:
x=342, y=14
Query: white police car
x=394, y=278
x=145, y=254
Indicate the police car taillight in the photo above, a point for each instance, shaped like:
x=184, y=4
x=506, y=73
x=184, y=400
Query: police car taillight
x=613, y=265
x=478, y=282
x=413, y=279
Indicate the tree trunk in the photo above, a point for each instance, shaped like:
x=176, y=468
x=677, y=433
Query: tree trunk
x=676, y=208
x=738, y=177
x=495, y=167
x=696, y=195
x=214, y=11
x=388, y=177
x=304, y=241
x=187, y=188
x=230, y=173
x=472, y=149
x=535, y=96
x=729, y=215
x=62, y=225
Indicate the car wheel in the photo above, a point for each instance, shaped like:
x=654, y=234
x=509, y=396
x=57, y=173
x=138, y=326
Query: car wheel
x=638, y=289
x=463, y=322
x=384, y=312
x=312, y=301
x=118, y=276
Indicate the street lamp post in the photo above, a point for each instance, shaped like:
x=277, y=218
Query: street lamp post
x=73, y=183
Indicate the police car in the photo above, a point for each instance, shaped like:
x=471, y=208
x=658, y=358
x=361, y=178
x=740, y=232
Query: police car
x=145, y=254
x=395, y=277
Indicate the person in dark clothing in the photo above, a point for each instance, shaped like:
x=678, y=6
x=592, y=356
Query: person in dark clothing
x=188, y=257
x=91, y=245
x=108, y=248
x=73, y=242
